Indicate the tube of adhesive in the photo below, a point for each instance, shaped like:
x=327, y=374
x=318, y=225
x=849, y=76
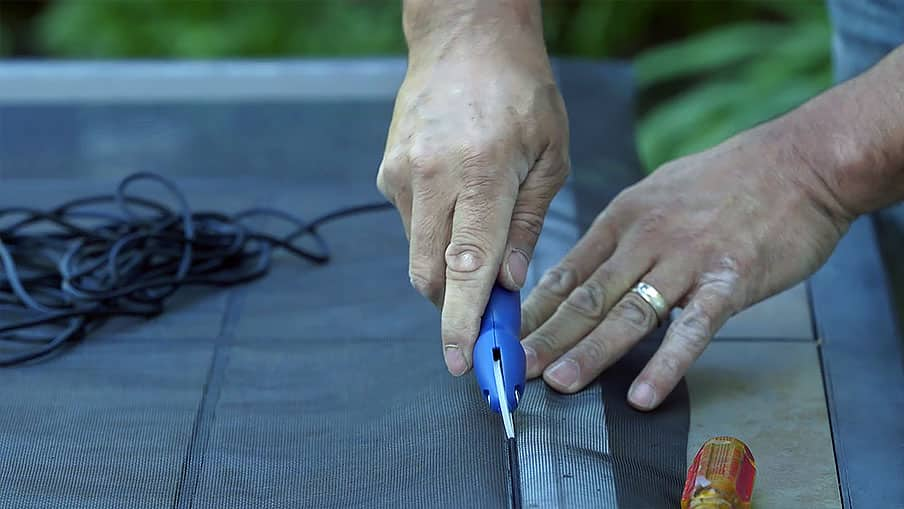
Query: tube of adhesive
x=721, y=476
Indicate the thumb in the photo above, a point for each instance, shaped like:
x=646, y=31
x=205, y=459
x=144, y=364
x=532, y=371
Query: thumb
x=534, y=196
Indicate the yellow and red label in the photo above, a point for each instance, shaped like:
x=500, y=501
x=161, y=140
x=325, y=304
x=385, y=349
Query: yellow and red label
x=721, y=476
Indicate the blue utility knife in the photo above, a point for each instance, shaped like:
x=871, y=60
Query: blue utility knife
x=499, y=361
x=500, y=366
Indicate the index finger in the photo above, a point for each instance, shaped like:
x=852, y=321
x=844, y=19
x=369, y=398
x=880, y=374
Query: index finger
x=480, y=225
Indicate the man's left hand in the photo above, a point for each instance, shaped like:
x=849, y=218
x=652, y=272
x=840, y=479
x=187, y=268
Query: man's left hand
x=714, y=233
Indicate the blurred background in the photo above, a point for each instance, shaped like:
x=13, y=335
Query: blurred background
x=718, y=65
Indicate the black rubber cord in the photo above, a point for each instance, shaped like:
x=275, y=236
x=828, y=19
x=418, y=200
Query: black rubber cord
x=67, y=270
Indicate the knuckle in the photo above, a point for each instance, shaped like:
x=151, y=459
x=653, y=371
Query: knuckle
x=466, y=254
x=460, y=331
x=671, y=367
x=622, y=201
x=384, y=188
x=634, y=312
x=601, y=219
x=528, y=221
x=604, y=225
x=565, y=168
x=693, y=329
x=556, y=168
x=394, y=194
x=530, y=321
x=392, y=173
x=725, y=283
x=544, y=345
x=729, y=265
x=424, y=167
x=558, y=281
x=690, y=336
x=594, y=351
x=741, y=267
x=588, y=301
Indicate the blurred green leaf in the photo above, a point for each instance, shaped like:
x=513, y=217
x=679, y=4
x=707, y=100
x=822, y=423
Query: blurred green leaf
x=706, y=52
x=215, y=29
x=738, y=83
x=687, y=116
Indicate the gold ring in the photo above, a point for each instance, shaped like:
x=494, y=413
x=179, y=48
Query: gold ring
x=651, y=296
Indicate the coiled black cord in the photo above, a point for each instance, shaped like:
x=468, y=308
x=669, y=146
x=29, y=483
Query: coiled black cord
x=69, y=269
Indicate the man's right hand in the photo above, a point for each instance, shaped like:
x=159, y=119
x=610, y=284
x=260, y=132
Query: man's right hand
x=477, y=148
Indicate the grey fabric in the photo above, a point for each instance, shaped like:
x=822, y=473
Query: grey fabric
x=332, y=398
x=292, y=430
x=106, y=425
x=315, y=387
x=563, y=465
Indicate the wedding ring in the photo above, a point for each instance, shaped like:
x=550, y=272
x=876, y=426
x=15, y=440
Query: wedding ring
x=651, y=296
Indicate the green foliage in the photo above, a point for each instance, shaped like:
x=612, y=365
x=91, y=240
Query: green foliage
x=217, y=29
x=613, y=28
x=707, y=52
x=730, y=79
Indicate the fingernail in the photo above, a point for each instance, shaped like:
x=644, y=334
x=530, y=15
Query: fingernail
x=564, y=373
x=642, y=395
x=531, y=357
x=517, y=267
x=455, y=360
